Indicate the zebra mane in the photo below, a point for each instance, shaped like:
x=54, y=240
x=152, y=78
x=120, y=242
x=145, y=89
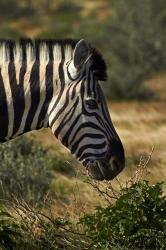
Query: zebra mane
x=47, y=50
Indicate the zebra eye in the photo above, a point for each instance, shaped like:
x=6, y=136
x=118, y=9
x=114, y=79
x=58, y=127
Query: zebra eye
x=91, y=103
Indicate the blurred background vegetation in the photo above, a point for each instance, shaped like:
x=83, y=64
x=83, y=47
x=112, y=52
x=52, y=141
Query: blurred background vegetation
x=130, y=34
x=49, y=201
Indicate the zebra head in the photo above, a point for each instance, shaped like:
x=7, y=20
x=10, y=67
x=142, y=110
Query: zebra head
x=81, y=119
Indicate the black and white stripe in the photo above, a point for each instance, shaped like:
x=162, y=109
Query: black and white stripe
x=47, y=83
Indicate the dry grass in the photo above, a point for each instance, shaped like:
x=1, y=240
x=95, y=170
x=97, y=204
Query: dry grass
x=157, y=84
x=141, y=127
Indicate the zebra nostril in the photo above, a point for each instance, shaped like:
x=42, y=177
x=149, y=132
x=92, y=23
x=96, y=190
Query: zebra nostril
x=115, y=165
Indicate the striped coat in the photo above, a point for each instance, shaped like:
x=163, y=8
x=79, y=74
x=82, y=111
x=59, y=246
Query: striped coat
x=56, y=84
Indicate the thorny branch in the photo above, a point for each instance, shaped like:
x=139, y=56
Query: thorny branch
x=36, y=222
x=141, y=170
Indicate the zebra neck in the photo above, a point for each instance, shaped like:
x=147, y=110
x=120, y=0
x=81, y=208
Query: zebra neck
x=26, y=89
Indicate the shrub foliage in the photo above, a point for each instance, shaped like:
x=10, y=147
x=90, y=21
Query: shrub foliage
x=10, y=232
x=24, y=170
x=137, y=220
x=137, y=46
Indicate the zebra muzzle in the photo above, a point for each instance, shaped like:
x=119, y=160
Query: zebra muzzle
x=101, y=170
x=94, y=171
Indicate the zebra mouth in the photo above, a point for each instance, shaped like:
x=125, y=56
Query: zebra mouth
x=101, y=170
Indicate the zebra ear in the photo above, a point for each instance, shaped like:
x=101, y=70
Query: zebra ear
x=81, y=53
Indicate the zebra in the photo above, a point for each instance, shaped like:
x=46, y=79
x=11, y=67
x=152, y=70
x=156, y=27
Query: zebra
x=55, y=83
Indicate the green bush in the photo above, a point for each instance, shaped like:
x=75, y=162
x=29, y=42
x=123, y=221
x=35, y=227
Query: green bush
x=137, y=46
x=24, y=170
x=68, y=7
x=10, y=231
x=61, y=163
x=6, y=32
x=137, y=220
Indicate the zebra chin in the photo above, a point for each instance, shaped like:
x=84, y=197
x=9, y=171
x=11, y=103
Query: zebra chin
x=101, y=170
